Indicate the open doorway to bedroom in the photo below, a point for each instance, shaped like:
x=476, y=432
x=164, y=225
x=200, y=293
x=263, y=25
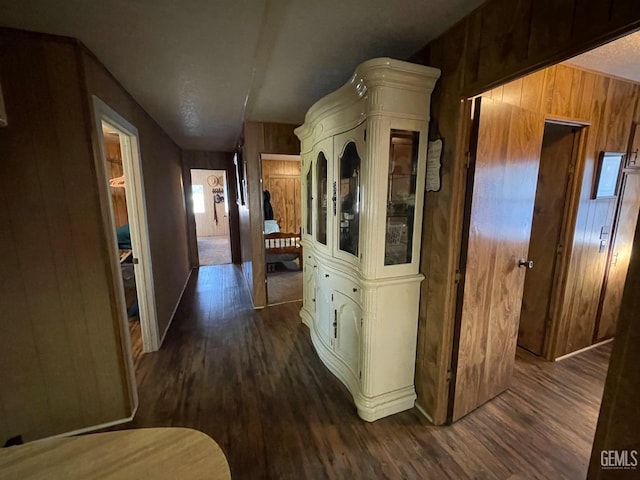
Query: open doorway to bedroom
x=121, y=189
x=282, y=211
x=117, y=189
x=209, y=189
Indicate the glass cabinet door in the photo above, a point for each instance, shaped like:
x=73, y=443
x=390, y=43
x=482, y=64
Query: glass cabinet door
x=322, y=197
x=401, y=196
x=348, y=192
x=310, y=200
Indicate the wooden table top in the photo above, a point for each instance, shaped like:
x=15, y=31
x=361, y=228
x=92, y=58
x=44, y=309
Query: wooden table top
x=153, y=453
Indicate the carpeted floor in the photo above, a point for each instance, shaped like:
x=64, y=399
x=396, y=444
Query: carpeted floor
x=214, y=250
x=284, y=284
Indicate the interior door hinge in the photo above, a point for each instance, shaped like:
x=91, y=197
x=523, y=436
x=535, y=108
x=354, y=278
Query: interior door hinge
x=458, y=276
x=365, y=134
x=468, y=160
x=335, y=324
x=449, y=375
x=559, y=249
x=360, y=374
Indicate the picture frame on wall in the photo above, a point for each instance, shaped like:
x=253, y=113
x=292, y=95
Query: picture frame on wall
x=607, y=178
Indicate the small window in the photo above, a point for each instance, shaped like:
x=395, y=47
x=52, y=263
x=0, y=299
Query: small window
x=197, y=196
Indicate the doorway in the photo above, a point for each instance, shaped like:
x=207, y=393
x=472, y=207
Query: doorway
x=282, y=217
x=121, y=170
x=558, y=158
x=209, y=192
x=121, y=227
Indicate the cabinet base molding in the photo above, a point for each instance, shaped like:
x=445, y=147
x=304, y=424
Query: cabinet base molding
x=380, y=406
x=370, y=408
x=306, y=318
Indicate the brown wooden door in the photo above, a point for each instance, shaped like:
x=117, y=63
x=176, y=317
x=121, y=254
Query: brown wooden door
x=620, y=255
x=558, y=149
x=503, y=193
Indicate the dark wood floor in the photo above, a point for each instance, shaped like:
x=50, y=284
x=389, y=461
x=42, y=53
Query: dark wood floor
x=251, y=380
x=135, y=333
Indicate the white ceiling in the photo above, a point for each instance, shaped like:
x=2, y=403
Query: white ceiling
x=201, y=67
x=620, y=58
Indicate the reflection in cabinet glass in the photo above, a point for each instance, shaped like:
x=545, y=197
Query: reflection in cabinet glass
x=349, y=195
x=401, y=196
x=309, y=201
x=321, y=203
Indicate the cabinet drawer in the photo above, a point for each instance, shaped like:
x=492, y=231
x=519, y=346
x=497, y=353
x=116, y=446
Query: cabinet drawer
x=347, y=287
x=334, y=281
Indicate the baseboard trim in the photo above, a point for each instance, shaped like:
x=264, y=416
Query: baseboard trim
x=589, y=347
x=175, y=309
x=93, y=428
x=424, y=413
x=284, y=302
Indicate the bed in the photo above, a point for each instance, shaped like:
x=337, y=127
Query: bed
x=281, y=247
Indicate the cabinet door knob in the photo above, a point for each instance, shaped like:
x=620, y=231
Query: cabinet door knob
x=355, y=289
x=326, y=275
x=525, y=263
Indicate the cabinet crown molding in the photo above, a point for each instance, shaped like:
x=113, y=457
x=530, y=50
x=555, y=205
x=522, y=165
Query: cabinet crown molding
x=377, y=72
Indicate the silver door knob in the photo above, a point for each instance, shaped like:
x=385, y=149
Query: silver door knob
x=525, y=263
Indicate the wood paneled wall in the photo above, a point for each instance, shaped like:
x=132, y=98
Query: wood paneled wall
x=282, y=179
x=163, y=188
x=607, y=105
x=61, y=364
x=211, y=161
x=619, y=422
x=259, y=138
x=500, y=41
x=115, y=170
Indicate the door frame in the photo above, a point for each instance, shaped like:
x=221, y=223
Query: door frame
x=288, y=157
x=138, y=225
x=567, y=233
x=227, y=196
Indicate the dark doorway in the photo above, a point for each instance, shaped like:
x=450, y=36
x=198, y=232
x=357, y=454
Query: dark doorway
x=557, y=160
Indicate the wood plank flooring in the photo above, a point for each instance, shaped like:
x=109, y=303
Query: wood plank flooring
x=251, y=380
x=135, y=333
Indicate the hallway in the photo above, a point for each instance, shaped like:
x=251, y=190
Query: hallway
x=251, y=380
